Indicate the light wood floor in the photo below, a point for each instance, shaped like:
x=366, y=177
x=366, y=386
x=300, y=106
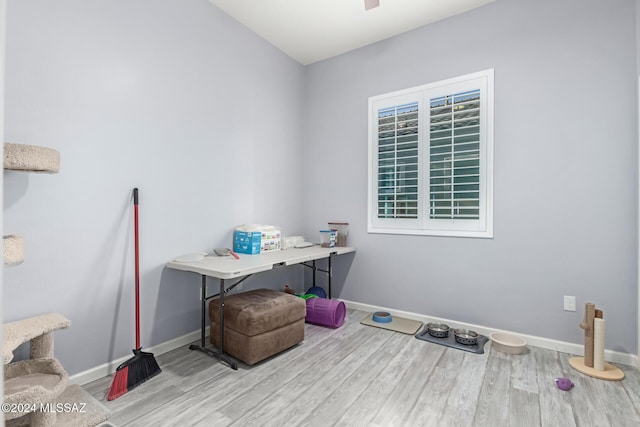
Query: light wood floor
x=363, y=376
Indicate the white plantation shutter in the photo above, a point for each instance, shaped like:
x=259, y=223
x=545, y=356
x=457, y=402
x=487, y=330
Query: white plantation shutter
x=431, y=159
x=398, y=161
x=454, y=156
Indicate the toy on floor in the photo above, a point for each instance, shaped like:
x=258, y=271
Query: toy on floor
x=564, y=384
x=317, y=290
x=325, y=312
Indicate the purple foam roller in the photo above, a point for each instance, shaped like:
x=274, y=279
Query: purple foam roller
x=325, y=312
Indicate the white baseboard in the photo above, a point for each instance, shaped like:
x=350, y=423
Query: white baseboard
x=109, y=368
x=565, y=347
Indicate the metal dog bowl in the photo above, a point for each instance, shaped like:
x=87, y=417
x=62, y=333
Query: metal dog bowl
x=465, y=336
x=438, y=330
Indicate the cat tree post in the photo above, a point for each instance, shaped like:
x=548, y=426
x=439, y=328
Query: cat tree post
x=587, y=325
x=42, y=346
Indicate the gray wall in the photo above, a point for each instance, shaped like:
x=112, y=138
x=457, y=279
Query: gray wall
x=174, y=97
x=565, y=168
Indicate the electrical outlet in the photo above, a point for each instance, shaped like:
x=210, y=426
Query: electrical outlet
x=569, y=303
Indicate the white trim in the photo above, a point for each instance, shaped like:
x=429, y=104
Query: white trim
x=549, y=344
x=109, y=368
x=432, y=232
x=638, y=234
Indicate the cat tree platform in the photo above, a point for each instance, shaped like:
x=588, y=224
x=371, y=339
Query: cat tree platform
x=79, y=409
x=35, y=329
x=13, y=249
x=31, y=385
x=31, y=158
x=610, y=372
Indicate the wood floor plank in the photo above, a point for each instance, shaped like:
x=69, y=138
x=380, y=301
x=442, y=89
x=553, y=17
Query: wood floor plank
x=524, y=408
x=411, y=385
x=364, y=409
x=337, y=403
x=430, y=406
x=493, y=401
x=452, y=359
x=555, y=404
x=463, y=399
x=631, y=385
x=523, y=371
x=205, y=419
x=144, y=405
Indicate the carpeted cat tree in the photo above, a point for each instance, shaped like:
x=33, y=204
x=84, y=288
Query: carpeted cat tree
x=36, y=392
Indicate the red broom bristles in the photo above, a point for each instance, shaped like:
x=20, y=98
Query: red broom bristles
x=119, y=385
x=133, y=372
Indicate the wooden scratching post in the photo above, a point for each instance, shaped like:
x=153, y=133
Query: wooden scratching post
x=593, y=363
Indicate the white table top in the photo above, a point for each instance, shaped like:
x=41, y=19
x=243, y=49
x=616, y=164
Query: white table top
x=227, y=267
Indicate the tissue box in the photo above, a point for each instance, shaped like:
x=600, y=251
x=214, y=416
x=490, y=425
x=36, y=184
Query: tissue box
x=247, y=242
x=252, y=239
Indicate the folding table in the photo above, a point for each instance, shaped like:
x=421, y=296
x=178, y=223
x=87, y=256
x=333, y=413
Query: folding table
x=227, y=267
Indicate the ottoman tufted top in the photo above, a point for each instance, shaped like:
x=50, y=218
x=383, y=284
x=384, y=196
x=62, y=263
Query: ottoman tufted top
x=254, y=312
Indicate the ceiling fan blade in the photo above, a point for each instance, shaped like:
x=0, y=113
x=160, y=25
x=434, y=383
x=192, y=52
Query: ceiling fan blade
x=370, y=4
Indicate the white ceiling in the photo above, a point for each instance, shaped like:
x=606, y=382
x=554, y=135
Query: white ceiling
x=313, y=30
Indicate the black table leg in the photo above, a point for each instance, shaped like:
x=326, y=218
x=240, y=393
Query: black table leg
x=330, y=272
x=219, y=353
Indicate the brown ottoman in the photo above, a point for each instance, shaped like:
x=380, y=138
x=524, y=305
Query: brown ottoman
x=258, y=323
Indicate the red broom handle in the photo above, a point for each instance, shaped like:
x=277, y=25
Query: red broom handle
x=137, y=255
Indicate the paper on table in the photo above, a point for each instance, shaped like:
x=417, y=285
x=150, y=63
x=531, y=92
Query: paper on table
x=190, y=257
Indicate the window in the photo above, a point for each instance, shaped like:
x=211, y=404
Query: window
x=431, y=159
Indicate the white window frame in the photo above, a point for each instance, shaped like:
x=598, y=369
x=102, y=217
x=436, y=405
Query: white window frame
x=423, y=225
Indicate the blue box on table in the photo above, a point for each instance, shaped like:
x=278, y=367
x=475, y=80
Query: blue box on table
x=247, y=242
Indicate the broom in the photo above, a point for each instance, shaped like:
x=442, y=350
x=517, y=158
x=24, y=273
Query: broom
x=142, y=366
